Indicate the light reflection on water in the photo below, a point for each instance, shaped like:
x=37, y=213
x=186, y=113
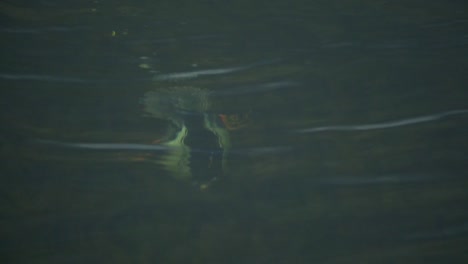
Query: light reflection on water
x=384, y=125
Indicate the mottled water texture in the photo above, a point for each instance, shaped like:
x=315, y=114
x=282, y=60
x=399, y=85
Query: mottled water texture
x=346, y=123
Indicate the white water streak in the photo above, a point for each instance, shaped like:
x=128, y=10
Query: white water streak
x=151, y=147
x=391, y=124
x=106, y=146
x=260, y=88
x=38, y=77
x=216, y=71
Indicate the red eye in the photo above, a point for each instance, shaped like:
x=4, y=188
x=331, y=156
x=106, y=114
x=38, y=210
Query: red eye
x=233, y=122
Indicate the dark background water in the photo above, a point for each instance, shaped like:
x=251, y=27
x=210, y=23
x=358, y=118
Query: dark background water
x=355, y=152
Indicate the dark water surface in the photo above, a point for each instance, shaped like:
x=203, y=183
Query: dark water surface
x=353, y=147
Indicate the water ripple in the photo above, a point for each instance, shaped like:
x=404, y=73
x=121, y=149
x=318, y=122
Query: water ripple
x=65, y=79
x=384, y=125
x=105, y=146
x=210, y=72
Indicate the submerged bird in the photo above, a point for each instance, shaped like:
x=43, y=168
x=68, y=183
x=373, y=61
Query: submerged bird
x=197, y=140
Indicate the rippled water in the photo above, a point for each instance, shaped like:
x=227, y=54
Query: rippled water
x=341, y=128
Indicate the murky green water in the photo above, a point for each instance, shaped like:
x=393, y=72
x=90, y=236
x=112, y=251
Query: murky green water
x=341, y=129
